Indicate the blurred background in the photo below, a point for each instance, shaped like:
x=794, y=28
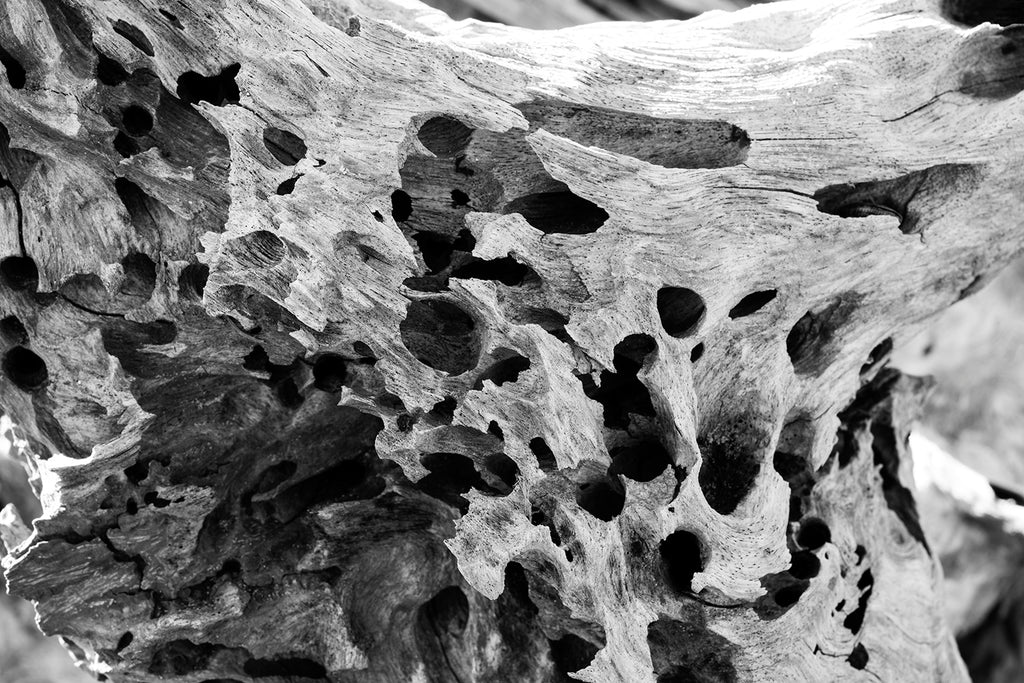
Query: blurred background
x=968, y=450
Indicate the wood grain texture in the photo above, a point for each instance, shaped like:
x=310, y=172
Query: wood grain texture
x=357, y=344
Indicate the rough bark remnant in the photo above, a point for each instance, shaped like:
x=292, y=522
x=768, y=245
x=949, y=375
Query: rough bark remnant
x=360, y=345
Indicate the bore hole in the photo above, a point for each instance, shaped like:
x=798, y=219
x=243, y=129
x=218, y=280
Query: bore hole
x=813, y=340
x=450, y=476
x=503, y=371
x=790, y=594
x=287, y=186
x=230, y=568
x=217, y=90
x=363, y=350
x=137, y=120
x=125, y=145
x=505, y=270
x=804, y=565
x=288, y=393
x=622, y=393
x=13, y=330
x=558, y=212
x=154, y=499
x=446, y=613
x=696, y=352
x=161, y=332
x=545, y=457
x=289, y=668
x=175, y=22
x=603, y=498
x=813, y=533
x=445, y=136
x=125, y=640
x=689, y=652
x=25, y=369
x=752, y=303
x=142, y=209
x=858, y=658
x=401, y=206
x=441, y=335
x=974, y=12
x=329, y=372
x=435, y=248
x=572, y=653
x=878, y=355
x=681, y=559
x=138, y=472
x=192, y=281
x=134, y=36
x=678, y=143
x=855, y=619
x=19, y=272
x=14, y=68
x=640, y=461
x=501, y=473
x=109, y=71
x=445, y=409
x=263, y=248
x=405, y=422
x=730, y=465
x=139, y=276
x=275, y=475
x=285, y=146
x=681, y=310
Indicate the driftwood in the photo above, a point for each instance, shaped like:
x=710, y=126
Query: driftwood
x=355, y=344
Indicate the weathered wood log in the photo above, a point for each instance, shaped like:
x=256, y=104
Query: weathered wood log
x=359, y=345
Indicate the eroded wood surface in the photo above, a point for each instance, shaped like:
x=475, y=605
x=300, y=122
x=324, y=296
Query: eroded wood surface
x=369, y=346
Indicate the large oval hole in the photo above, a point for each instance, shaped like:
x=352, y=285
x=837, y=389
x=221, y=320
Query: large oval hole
x=681, y=310
x=441, y=335
x=25, y=369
